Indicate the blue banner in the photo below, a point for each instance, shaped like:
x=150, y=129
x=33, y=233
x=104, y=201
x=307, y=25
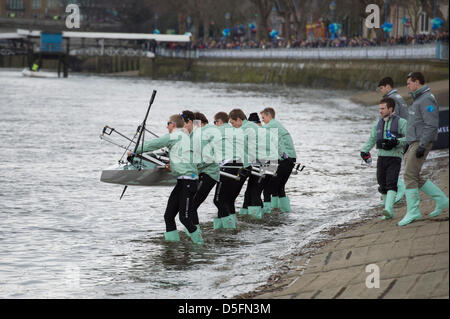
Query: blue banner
x=51, y=42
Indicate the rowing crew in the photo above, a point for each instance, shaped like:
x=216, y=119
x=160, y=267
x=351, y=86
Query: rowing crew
x=225, y=155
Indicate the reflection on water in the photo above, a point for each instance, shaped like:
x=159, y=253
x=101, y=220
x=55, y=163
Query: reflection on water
x=65, y=234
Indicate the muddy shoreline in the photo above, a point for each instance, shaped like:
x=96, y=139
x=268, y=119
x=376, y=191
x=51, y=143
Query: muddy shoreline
x=295, y=263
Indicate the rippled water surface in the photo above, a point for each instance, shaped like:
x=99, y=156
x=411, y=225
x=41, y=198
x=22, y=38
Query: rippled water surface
x=65, y=234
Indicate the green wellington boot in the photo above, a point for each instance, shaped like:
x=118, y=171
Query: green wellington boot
x=388, y=210
x=400, y=191
x=187, y=231
x=412, y=203
x=285, y=204
x=196, y=237
x=255, y=211
x=172, y=235
x=437, y=195
x=228, y=222
x=243, y=211
x=217, y=223
x=275, y=202
x=267, y=209
x=383, y=198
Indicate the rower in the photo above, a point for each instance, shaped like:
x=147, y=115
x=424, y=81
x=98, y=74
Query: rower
x=226, y=214
x=250, y=146
x=253, y=204
x=274, y=189
x=208, y=167
x=181, y=166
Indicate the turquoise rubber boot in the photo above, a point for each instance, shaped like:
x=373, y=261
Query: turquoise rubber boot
x=187, y=232
x=217, y=223
x=172, y=235
x=243, y=211
x=275, y=202
x=383, y=198
x=437, y=195
x=255, y=211
x=285, y=204
x=267, y=209
x=412, y=203
x=400, y=191
x=228, y=222
x=196, y=237
x=388, y=210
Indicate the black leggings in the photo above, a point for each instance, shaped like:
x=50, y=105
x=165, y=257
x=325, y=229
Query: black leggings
x=181, y=201
x=252, y=196
x=227, y=190
x=274, y=186
x=205, y=185
x=388, y=169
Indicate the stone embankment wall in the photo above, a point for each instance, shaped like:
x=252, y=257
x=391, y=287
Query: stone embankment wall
x=351, y=74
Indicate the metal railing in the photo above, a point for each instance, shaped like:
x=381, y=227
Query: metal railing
x=434, y=51
x=442, y=51
x=111, y=51
x=177, y=53
x=426, y=51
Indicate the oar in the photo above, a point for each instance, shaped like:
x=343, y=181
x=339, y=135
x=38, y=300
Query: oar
x=142, y=128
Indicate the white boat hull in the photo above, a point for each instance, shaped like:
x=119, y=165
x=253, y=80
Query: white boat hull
x=127, y=175
x=37, y=74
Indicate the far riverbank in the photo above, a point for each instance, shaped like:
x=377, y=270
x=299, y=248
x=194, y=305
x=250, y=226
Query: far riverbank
x=316, y=74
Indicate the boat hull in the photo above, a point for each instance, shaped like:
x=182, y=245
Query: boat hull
x=37, y=74
x=131, y=177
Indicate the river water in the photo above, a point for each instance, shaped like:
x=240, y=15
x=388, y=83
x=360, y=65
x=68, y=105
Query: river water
x=64, y=234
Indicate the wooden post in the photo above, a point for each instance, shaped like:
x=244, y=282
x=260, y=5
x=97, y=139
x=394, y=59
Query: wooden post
x=59, y=66
x=66, y=60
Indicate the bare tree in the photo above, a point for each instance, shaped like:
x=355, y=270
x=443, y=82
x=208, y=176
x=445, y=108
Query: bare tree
x=263, y=8
x=415, y=8
x=291, y=12
x=134, y=15
x=304, y=12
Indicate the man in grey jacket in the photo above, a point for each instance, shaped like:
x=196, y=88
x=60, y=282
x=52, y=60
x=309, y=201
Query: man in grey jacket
x=421, y=132
x=386, y=87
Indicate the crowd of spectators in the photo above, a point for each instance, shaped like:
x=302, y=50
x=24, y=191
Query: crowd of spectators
x=342, y=42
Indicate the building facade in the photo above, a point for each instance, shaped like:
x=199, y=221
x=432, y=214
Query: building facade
x=32, y=9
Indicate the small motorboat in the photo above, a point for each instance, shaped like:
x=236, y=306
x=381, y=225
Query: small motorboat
x=37, y=74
